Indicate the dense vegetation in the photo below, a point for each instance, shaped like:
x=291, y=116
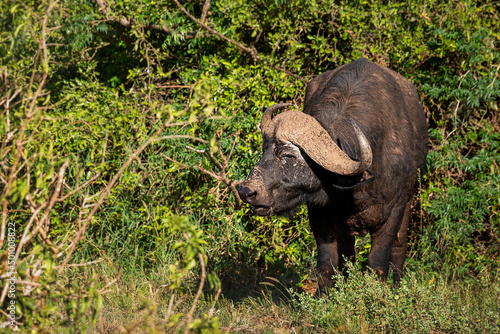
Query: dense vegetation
x=126, y=126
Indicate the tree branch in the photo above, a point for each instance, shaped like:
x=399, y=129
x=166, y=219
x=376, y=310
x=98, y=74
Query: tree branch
x=252, y=51
x=205, y=11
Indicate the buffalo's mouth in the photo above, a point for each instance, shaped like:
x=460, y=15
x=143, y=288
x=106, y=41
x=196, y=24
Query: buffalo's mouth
x=261, y=210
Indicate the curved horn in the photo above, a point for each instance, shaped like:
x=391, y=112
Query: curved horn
x=268, y=114
x=307, y=133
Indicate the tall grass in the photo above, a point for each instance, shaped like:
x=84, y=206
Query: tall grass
x=360, y=303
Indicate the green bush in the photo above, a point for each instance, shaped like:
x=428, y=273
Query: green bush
x=462, y=202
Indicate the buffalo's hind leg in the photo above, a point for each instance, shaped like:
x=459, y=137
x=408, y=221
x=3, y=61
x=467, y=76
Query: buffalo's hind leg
x=383, y=250
x=399, y=247
x=333, y=246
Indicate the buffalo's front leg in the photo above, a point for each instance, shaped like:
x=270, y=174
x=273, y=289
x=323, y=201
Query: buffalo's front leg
x=333, y=245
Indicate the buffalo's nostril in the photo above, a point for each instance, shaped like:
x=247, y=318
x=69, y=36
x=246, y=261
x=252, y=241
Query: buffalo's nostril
x=247, y=194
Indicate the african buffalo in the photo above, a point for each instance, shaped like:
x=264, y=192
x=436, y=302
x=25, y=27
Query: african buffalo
x=354, y=156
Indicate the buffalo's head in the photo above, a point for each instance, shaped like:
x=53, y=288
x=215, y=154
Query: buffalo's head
x=284, y=177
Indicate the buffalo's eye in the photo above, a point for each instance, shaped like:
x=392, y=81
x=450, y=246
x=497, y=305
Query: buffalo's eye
x=287, y=153
x=286, y=157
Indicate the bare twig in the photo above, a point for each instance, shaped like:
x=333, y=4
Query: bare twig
x=128, y=22
x=113, y=281
x=208, y=155
x=180, y=137
x=170, y=307
x=198, y=293
x=34, y=216
x=211, y=311
x=80, y=187
x=287, y=72
x=174, y=86
x=83, y=264
x=425, y=58
x=174, y=161
x=221, y=175
x=252, y=51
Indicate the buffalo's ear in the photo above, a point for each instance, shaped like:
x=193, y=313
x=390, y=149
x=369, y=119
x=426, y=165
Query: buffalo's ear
x=311, y=89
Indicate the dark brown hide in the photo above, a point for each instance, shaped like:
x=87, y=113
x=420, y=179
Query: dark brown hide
x=386, y=108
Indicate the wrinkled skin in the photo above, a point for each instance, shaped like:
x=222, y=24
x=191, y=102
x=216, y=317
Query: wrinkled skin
x=386, y=108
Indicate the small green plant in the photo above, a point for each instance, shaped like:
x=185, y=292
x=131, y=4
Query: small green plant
x=422, y=303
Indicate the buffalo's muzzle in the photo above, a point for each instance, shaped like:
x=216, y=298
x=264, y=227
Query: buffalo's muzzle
x=246, y=194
